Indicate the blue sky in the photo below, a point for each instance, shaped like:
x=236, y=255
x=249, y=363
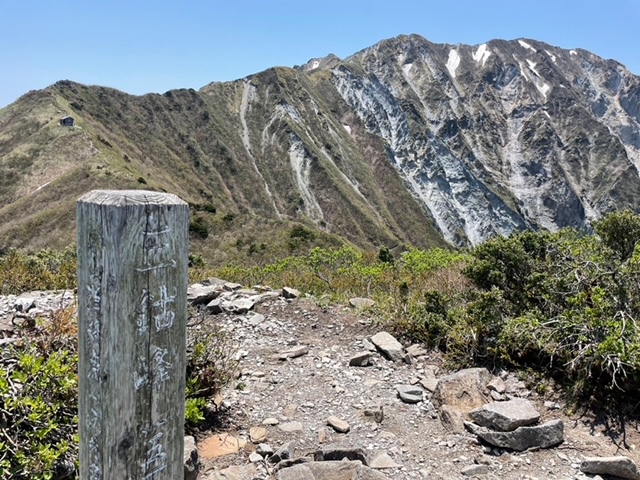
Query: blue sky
x=141, y=46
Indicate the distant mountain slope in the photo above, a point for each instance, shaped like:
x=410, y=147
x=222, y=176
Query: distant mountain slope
x=503, y=135
x=406, y=142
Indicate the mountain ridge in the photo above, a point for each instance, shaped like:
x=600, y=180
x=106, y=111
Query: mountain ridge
x=406, y=142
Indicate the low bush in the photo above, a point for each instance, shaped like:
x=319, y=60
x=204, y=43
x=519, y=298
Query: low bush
x=45, y=270
x=566, y=305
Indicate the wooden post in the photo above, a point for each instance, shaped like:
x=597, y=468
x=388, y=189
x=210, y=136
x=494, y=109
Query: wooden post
x=132, y=294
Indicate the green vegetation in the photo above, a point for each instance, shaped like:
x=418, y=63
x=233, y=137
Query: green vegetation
x=45, y=270
x=562, y=306
x=198, y=227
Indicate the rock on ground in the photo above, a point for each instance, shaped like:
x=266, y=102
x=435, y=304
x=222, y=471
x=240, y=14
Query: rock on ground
x=464, y=390
x=505, y=416
x=332, y=470
x=388, y=346
x=618, y=466
x=546, y=435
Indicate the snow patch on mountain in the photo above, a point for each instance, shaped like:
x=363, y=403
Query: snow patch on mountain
x=532, y=67
x=453, y=62
x=527, y=46
x=543, y=88
x=482, y=54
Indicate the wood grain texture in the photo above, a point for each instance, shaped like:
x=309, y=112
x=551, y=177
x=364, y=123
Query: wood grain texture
x=132, y=288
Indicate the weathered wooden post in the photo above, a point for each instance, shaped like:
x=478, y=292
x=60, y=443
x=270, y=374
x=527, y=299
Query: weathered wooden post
x=132, y=294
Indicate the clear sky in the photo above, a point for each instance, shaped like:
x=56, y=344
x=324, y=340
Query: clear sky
x=141, y=46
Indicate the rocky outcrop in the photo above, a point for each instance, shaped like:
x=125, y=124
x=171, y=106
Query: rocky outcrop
x=496, y=137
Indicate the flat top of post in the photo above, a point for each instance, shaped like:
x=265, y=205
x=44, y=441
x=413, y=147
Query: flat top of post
x=122, y=198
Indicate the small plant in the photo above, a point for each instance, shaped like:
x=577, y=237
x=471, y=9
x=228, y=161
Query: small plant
x=199, y=228
x=385, y=255
x=38, y=398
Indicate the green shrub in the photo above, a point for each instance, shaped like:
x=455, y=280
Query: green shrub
x=38, y=398
x=568, y=305
x=45, y=270
x=199, y=228
x=620, y=232
x=299, y=235
x=385, y=255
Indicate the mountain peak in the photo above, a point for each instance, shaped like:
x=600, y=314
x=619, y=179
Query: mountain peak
x=406, y=142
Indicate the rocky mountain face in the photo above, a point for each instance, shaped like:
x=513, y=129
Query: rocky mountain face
x=405, y=142
x=501, y=136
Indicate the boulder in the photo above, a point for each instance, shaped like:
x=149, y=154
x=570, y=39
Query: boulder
x=257, y=434
x=458, y=393
x=338, y=425
x=359, y=302
x=619, y=466
x=388, y=346
x=409, y=393
x=290, y=427
x=362, y=359
x=464, y=390
x=294, y=352
x=542, y=436
x=199, y=294
x=505, y=416
x=255, y=457
x=288, y=292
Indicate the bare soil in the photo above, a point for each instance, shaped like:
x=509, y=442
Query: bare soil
x=314, y=386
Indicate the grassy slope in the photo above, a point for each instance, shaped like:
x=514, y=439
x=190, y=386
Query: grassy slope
x=190, y=143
